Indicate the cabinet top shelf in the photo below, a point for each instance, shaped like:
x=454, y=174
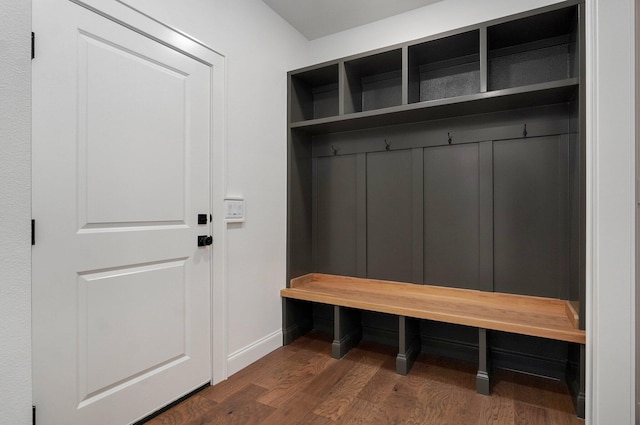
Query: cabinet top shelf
x=493, y=101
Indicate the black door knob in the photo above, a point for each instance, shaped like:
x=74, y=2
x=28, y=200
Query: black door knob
x=204, y=240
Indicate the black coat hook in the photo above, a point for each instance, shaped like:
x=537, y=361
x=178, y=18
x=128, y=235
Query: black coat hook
x=387, y=146
x=524, y=132
x=449, y=139
x=334, y=149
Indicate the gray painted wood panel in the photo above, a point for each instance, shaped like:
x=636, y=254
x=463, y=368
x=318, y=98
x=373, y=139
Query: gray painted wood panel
x=485, y=188
x=530, y=212
x=451, y=216
x=417, y=217
x=389, y=214
x=543, y=121
x=336, y=215
x=299, y=206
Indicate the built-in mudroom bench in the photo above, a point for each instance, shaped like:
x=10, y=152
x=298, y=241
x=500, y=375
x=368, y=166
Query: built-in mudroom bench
x=436, y=198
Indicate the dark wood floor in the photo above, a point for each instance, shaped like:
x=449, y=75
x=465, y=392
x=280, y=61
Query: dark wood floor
x=302, y=384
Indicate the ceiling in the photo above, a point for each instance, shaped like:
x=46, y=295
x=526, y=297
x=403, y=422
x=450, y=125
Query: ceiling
x=318, y=18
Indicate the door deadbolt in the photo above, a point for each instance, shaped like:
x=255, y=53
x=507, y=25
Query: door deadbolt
x=204, y=240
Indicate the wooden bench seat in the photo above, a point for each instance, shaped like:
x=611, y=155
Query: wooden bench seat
x=527, y=315
x=535, y=316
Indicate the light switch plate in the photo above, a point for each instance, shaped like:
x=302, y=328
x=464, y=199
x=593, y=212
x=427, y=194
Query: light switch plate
x=234, y=210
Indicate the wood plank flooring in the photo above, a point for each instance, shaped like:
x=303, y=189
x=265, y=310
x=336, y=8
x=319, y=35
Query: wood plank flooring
x=302, y=384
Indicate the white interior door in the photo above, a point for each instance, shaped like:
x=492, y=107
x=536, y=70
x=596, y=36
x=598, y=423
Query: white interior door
x=121, y=170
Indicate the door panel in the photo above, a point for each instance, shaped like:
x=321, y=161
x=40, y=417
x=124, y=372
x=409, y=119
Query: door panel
x=148, y=100
x=121, y=169
x=147, y=330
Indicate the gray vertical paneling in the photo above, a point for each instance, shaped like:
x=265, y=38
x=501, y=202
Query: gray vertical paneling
x=582, y=118
x=335, y=215
x=389, y=215
x=352, y=92
x=575, y=228
x=451, y=219
x=299, y=206
x=301, y=105
x=417, y=215
x=546, y=357
x=530, y=254
x=563, y=229
x=485, y=174
x=361, y=215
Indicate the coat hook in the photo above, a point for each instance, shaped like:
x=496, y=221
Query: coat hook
x=387, y=146
x=449, y=138
x=524, y=132
x=334, y=149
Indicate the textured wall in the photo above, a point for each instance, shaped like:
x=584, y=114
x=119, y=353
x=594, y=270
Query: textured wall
x=15, y=212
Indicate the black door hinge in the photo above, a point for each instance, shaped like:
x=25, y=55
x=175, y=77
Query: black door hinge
x=33, y=232
x=33, y=417
x=33, y=45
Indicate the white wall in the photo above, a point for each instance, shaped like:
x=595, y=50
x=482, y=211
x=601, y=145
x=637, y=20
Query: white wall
x=15, y=212
x=259, y=48
x=439, y=17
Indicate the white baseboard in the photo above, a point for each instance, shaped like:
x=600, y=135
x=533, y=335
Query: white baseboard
x=243, y=357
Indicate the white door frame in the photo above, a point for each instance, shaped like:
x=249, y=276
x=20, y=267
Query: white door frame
x=611, y=212
x=637, y=200
x=118, y=11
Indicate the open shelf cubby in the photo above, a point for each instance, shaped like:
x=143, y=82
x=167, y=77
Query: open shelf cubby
x=373, y=82
x=314, y=94
x=446, y=67
x=531, y=50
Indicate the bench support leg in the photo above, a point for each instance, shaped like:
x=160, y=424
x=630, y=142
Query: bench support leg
x=581, y=401
x=409, y=344
x=576, y=378
x=580, y=385
x=347, y=331
x=483, y=385
x=297, y=319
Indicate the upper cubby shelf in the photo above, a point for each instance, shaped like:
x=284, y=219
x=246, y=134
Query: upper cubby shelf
x=314, y=94
x=528, y=60
x=373, y=82
x=532, y=50
x=446, y=67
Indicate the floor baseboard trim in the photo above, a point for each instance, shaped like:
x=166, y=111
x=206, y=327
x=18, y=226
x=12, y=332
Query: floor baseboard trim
x=243, y=357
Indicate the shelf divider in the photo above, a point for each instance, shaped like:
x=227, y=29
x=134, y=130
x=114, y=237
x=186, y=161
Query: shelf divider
x=342, y=87
x=405, y=75
x=484, y=54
